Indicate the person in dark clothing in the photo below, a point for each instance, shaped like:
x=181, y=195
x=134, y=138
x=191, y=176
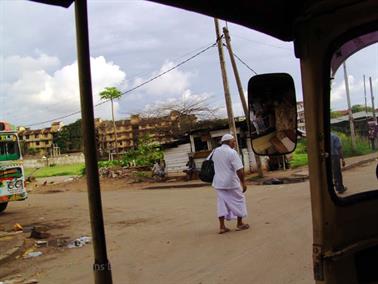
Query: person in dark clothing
x=191, y=170
x=336, y=156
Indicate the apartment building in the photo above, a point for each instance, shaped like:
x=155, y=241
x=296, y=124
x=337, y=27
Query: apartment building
x=161, y=129
x=39, y=141
x=301, y=117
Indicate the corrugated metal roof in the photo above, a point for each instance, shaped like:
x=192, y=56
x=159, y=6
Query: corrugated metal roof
x=356, y=115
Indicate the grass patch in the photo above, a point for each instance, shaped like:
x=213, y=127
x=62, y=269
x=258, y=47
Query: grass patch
x=57, y=170
x=299, y=157
x=298, y=160
x=362, y=145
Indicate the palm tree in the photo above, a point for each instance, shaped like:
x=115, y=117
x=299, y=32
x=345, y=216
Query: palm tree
x=112, y=93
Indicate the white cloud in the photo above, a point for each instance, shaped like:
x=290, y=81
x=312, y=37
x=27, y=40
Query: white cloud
x=356, y=91
x=15, y=66
x=174, y=82
x=39, y=95
x=338, y=91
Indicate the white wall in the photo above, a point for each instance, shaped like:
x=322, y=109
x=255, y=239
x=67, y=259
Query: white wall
x=176, y=158
x=60, y=160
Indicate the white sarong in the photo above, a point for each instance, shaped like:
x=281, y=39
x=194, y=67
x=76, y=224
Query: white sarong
x=231, y=203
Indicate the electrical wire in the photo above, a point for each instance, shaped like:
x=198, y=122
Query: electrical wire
x=245, y=64
x=130, y=90
x=238, y=58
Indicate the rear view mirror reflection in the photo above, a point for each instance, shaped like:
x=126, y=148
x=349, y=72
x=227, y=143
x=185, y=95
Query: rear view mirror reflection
x=273, y=114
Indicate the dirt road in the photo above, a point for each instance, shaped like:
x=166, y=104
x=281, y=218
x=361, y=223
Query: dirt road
x=170, y=236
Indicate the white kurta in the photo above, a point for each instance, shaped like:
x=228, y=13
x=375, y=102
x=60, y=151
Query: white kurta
x=230, y=198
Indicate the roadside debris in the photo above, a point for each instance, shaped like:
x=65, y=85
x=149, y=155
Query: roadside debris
x=17, y=227
x=32, y=254
x=30, y=281
x=18, y=279
x=39, y=232
x=273, y=181
x=79, y=242
x=40, y=244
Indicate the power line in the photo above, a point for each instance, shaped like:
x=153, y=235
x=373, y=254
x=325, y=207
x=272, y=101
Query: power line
x=261, y=43
x=238, y=58
x=245, y=64
x=130, y=90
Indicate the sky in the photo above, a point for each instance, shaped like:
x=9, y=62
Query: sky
x=131, y=42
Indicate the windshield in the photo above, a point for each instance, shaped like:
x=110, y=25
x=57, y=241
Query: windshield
x=9, y=149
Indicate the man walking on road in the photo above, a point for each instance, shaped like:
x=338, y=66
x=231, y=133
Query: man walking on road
x=229, y=184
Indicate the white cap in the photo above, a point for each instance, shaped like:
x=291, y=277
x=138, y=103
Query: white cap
x=227, y=137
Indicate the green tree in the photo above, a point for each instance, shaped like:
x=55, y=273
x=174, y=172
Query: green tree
x=112, y=93
x=145, y=154
x=69, y=138
x=335, y=113
x=358, y=108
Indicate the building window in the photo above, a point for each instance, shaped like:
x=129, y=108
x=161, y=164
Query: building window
x=200, y=145
x=37, y=143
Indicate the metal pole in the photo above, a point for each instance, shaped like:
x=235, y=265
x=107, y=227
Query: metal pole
x=227, y=96
x=243, y=101
x=101, y=266
x=351, y=122
x=372, y=101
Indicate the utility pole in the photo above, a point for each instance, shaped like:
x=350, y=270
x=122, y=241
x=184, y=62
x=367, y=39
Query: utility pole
x=372, y=101
x=351, y=122
x=243, y=101
x=366, y=110
x=227, y=96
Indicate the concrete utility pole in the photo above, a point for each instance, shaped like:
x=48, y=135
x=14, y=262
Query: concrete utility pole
x=372, y=100
x=227, y=96
x=351, y=122
x=244, y=103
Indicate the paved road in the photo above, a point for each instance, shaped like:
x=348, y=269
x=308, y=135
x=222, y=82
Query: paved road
x=170, y=236
x=360, y=179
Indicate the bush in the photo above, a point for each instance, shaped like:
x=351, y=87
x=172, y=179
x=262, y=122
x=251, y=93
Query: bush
x=145, y=154
x=362, y=145
x=109, y=164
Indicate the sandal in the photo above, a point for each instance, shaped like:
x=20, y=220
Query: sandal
x=242, y=227
x=225, y=230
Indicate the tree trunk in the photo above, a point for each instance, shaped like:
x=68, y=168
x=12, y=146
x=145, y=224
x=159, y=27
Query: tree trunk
x=115, y=129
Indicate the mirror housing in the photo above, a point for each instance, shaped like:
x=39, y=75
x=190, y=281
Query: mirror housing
x=272, y=112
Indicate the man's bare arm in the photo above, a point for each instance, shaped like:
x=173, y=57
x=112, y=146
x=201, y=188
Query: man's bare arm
x=240, y=174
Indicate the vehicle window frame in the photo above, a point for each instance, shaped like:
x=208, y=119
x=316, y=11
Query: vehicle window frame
x=366, y=196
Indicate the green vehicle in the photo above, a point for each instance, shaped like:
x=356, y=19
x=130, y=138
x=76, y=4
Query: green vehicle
x=12, y=179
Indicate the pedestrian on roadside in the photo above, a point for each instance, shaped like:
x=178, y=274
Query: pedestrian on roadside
x=191, y=170
x=336, y=157
x=229, y=184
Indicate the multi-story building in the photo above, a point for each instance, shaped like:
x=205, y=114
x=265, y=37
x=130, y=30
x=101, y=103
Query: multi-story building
x=161, y=129
x=301, y=117
x=129, y=131
x=39, y=141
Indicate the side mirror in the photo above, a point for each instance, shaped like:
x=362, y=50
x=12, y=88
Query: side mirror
x=272, y=113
